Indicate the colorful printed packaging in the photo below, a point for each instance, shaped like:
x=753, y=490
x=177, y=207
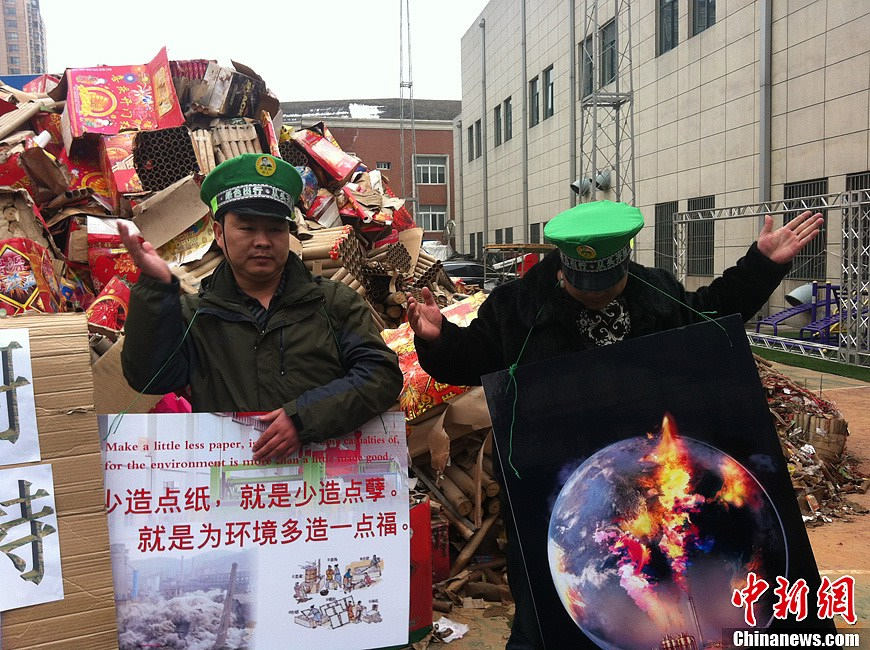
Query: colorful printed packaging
x=107, y=100
x=107, y=257
x=27, y=280
x=116, y=162
x=420, y=392
x=110, y=308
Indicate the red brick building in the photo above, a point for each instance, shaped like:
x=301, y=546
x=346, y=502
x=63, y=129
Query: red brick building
x=373, y=130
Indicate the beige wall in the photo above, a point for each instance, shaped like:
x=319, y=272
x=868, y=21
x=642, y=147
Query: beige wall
x=696, y=109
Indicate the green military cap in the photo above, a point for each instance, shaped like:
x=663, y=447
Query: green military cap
x=252, y=183
x=594, y=241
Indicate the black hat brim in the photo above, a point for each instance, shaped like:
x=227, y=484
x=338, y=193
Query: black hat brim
x=257, y=208
x=595, y=280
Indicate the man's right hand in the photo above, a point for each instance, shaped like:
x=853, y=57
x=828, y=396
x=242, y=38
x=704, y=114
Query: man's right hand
x=425, y=319
x=144, y=255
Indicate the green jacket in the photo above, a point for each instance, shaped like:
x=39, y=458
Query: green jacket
x=320, y=356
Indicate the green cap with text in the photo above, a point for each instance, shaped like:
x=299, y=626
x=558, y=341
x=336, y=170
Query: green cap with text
x=252, y=184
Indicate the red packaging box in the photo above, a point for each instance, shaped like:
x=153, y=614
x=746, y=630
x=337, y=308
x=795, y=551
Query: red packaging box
x=27, y=280
x=87, y=173
x=440, y=550
x=420, y=392
x=420, y=605
x=109, y=99
x=50, y=122
x=337, y=164
x=116, y=162
x=110, y=308
x=42, y=84
x=12, y=174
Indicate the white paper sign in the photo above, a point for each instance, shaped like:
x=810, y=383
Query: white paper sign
x=29, y=548
x=19, y=442
x=211, y=547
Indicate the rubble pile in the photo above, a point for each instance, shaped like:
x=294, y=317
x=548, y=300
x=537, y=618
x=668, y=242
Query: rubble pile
x=812, y=434
x=80, y=150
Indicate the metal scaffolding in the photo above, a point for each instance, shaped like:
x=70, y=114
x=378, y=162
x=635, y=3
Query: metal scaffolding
x=853, y=327
x=606, y=105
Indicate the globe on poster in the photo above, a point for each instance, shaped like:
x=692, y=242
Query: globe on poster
x=650, y=536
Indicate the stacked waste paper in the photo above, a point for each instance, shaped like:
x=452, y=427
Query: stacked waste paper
x=80, y=150
x=813, y=434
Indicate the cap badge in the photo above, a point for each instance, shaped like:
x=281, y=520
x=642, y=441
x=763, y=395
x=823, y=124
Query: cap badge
x=586, y=252
x=265, y=166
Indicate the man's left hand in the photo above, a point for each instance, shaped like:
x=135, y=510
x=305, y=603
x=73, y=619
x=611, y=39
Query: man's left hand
x=783, y=244
x=279, y=440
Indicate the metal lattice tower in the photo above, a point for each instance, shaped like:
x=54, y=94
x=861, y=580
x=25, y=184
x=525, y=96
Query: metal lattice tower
x=606, y=161
x=406, y=84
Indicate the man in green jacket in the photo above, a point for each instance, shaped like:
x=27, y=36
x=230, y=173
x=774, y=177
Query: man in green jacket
x=263, y=334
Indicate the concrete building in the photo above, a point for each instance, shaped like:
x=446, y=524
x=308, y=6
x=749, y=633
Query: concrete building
x=707, y=134
x=371, y=129
x=23, y=38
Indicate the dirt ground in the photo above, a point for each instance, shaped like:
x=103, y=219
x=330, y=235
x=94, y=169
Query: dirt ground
x=840, y=547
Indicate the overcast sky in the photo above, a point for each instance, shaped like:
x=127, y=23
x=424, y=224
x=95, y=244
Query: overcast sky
x=324, y=49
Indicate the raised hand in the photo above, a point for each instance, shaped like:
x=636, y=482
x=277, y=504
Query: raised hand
x=425, y=319
x=144, y=255
x=781, y=245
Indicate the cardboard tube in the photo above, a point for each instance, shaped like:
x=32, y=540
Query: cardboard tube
x=470, y=549
x=462, y=480
x=455, y=496
x=318, y=251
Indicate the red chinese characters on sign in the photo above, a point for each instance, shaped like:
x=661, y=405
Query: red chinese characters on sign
x=243, y=534
x=834, y=598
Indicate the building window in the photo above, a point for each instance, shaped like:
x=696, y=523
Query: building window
x=432, y=217
x=535, y=233
x=859, y=181
x=534, y=102
x=11, y=36
x=810, y=263
x=11, y=24
x=508, y=119
x=496, y=124
x=431, y=170
x=470, y=143
x=549, y=92
x=14, y=60
x=508, y=235
x=700, y=233
x=383, y=164
x=608, y=53
x=587, y=71
x=499, y=236
x=477, y=143
x=703, y=15
x=9, y=11
x=668, y=35
x=475, y=245
x=14, y=70
x=12, y=47
x=664, y=235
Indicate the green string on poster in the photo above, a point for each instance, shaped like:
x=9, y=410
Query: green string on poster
x=116, y=421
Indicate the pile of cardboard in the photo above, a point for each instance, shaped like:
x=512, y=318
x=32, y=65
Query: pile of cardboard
x=80, y=150
x=813, y=434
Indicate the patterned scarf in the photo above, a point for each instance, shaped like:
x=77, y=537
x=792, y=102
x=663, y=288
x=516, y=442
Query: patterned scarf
x=610, y=325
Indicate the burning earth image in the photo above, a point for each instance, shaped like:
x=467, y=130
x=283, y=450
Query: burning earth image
x=649, y=537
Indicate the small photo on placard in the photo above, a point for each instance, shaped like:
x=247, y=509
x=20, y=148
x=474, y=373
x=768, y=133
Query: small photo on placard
x=19, y=442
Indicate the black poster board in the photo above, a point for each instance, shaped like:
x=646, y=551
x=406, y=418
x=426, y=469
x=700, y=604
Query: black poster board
x=646, y=481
